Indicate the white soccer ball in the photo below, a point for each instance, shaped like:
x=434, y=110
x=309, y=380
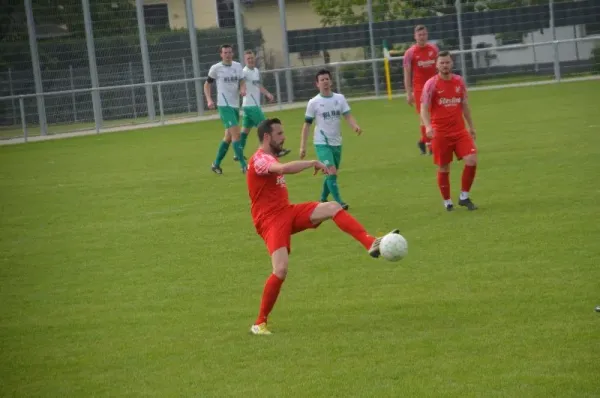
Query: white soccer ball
x=393, y=247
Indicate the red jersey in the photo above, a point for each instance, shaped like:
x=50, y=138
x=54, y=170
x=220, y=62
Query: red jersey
x=445, y=99
x=421, y=61
x=268, y=191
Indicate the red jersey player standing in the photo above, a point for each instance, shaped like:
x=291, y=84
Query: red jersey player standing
x=276, y=219
x=444, y=103
x=419, y=66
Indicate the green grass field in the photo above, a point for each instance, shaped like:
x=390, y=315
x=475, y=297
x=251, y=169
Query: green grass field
x=128, y=269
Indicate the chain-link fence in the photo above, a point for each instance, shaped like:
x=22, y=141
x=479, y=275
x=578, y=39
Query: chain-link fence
x=84, y=65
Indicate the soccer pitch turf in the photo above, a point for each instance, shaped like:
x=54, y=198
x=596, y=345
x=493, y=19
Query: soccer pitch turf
x=129, y=269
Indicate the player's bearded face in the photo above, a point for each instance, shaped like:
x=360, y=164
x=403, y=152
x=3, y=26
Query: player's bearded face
x=444, y=65
x=277, y=139
x=227, y=54
x=421, y=36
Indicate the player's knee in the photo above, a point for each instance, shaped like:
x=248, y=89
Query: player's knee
x=227, y=137
x=280, y=269
x=332, y=208
x=445, y=168
x=471, y=160
x=332, y=171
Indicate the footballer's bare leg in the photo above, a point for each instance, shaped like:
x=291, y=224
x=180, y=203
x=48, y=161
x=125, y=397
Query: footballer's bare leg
x=279, y=261
x=348, y=224
x=468, y=176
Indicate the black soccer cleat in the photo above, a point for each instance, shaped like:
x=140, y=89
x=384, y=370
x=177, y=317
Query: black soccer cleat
x=216, y=169
x=283, y=152
x=374, y=249
x=450, y=207
x=467, y=203
x=244, y=170
x=345, y=206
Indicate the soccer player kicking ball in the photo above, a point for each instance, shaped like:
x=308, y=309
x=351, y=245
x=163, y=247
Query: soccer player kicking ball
x=327, y=108
x=230, y=85
x=276, y=219
x=253, y=113
x=444, y=103
x=419, y=66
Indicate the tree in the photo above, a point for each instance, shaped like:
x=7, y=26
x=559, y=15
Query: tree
x=351, y=12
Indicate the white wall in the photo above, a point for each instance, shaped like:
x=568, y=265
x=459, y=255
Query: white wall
x=538, y=54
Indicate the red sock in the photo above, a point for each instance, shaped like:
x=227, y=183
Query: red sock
x=468, y=176
x=443, y=179
x=270, y=293
x=349, y=225
x=424, y=138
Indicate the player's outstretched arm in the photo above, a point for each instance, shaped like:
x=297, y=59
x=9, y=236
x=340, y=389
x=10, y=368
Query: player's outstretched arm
x=207, y=93
x=296, y=166
x=467, y=114
x=266, y=93
x=303, y=138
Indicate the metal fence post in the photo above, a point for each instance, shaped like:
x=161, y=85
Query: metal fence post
x=189, y=13
x=23, y=118
x=91, y=50
x=131, y=80
x=285, y=51
x=278, y=90
x=461, y=41
x=372, y=44
x=37, y=73
x=141, y=22
x=73, y=99
x=239, y=29
x=161, y=105
x=187, y=90
x=554, y=44
x=11, y=93
x=338, y=80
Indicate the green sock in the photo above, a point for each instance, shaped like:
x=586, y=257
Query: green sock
x=223, y=148
x=333, y=188
x=325, y=191
x=239, y=152
x=243, y=138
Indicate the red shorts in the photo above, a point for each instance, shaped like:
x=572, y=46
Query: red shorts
x=444, y=147
x=277, y=231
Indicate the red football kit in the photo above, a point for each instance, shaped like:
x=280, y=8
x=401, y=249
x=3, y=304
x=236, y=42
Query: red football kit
x=421, y=60
x=274, y=217
x=445, y=99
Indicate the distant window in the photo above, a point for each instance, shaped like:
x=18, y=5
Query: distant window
x=225, y=14
x=156, y=16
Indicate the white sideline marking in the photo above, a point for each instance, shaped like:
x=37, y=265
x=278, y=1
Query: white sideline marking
x=270, y=108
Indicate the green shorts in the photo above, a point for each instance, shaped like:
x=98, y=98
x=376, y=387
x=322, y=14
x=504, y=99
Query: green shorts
x=230, y=117
x=253, y=115
x=329, y=155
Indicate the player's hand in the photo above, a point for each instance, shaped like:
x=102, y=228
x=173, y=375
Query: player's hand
x=320, y=167
x=211, y=105
x=429, y=132
x=243, y=91
x=270, y=97
x=410, y=99
x=357, y=129
x=302, y=153
x=473, y=133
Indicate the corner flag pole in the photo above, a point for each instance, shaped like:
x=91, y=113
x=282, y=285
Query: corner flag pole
x=386, y=64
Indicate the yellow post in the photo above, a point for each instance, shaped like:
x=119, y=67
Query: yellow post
x=386, y=64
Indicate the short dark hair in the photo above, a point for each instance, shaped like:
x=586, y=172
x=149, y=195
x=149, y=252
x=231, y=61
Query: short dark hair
x=419, y=28
x=249, y=52
x=223, y=46
x=444, y=54
x=266, y=127
x=322, y=72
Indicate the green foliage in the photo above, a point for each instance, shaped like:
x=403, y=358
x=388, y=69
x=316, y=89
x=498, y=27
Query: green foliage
x=352, y=12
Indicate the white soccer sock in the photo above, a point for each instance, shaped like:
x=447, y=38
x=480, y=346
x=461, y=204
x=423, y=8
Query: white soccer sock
x=447, y=202
x=464, y=195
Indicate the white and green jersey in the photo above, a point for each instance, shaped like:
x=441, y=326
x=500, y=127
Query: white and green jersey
x=328, y=113
x=228, y=79
x=253, y=84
